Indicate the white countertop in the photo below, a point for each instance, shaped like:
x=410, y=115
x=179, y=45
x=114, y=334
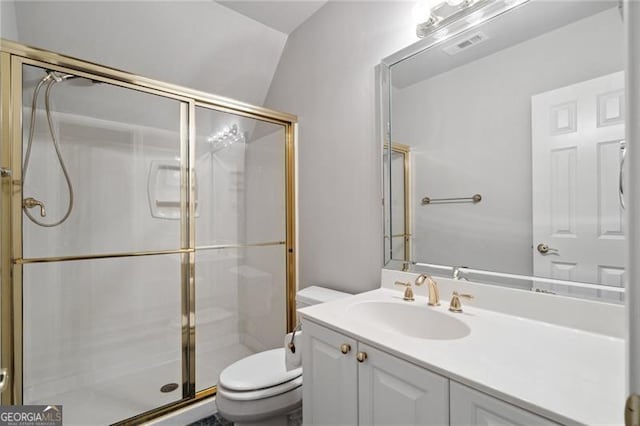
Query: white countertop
x=568, y=375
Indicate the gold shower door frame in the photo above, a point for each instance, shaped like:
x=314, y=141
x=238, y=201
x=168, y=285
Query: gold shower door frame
x=405, y=151
x=12, y=57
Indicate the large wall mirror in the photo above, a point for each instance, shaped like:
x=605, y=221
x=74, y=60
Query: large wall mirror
x=514, y=128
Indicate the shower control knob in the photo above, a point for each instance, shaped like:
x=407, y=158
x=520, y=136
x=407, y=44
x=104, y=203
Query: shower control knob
x=361, y=357
x=345, y=348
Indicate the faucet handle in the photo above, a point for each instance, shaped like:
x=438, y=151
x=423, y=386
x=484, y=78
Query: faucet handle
x=408, y=291
x=455, y=305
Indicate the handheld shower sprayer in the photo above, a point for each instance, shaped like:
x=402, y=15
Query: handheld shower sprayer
x=49, y=80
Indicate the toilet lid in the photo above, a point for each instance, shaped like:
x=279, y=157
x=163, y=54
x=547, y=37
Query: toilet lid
x=258, y=371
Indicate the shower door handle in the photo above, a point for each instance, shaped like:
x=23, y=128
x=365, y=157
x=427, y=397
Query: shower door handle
x=4, y=379
x=623, y=150
x=4, y=172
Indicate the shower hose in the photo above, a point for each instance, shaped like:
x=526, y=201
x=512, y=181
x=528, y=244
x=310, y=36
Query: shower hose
x=49, y=80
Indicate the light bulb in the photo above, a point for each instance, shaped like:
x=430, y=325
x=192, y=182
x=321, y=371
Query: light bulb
x=421, y=12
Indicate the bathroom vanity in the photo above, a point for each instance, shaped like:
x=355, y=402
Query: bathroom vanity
x=375, y=358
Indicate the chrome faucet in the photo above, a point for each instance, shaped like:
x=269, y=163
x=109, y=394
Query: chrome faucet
x=434, y=294
x=458, y=274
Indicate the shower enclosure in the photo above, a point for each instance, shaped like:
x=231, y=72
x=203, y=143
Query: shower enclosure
x=147, y=237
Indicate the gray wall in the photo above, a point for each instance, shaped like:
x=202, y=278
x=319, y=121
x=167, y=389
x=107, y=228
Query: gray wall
x=202, y=44
x=470, y=132
x=8, y=27
x=327, y=76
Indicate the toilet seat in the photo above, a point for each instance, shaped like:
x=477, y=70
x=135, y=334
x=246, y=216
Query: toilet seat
x=258, y=376
x=260, y=393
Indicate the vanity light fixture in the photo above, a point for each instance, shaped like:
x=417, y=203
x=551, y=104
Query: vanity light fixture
x=427, y=14
x=432, y=16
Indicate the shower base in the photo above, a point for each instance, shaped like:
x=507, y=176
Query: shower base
x=129, y=395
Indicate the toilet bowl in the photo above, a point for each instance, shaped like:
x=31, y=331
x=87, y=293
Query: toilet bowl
x=258, y=389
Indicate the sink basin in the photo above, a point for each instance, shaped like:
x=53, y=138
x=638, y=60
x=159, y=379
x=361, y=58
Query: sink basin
x=409, y=319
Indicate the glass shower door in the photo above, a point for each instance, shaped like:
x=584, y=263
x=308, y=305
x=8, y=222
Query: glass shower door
x=102, y=247
x=241, y=272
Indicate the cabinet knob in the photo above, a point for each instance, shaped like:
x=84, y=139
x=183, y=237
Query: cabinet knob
x=345, y=348
x=361, y=356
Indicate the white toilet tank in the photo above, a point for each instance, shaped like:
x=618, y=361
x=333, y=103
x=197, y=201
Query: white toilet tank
x=315, y=294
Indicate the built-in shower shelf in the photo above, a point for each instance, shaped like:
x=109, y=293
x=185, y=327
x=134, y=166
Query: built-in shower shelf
x=164, y=189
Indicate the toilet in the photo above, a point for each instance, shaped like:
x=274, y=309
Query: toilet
x=258, y=389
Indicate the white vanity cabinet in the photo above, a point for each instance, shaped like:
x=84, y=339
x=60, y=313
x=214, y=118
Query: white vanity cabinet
x=329, y=377
x=392, y=391
x=341, y=386
x=471, y=407
x=346, y=382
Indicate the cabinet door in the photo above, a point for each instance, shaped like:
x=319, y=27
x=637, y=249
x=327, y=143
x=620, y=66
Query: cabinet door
x=329, y=377
x=396, y=392
x=471, y=407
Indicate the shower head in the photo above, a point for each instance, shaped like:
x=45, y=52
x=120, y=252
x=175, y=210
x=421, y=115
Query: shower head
x=60, y=77
x=54, y=75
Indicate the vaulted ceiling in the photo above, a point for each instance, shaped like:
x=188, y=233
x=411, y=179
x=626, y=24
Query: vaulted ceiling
x=284, y=16
x=229, y=48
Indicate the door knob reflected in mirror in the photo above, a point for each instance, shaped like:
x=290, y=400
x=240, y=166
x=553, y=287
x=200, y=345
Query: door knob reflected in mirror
x=545, y=249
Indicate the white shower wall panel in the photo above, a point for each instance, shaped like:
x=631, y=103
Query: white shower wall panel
x=109, y=166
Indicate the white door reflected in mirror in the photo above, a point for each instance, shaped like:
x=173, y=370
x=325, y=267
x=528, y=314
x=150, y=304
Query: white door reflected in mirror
x=576, y=135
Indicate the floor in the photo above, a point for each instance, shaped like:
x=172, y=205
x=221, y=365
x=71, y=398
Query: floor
x=295, y=419
x=215, y=420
